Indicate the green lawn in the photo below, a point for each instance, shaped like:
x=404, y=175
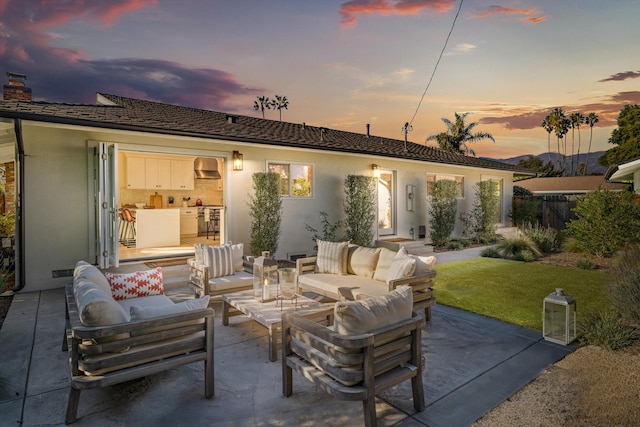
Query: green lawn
x=513, y=291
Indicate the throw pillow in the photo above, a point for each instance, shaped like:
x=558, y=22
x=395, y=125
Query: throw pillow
x=366, y=315
x=424, y=264
x=219, y=259
x=401, y=266
x=384, y=263
x=143, y=313
x=136, y=284
x=238, y=252
x=84, y=270
x=332, y=257
x=96, y=306
x=362, y=261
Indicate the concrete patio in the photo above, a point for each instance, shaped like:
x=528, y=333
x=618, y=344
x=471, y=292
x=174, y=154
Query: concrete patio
x=473, y=364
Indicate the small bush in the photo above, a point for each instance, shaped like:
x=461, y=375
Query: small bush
x=585, y=264
x=606, y=329
x=454, y=245
x=625, y=287
x=490, y=253
x=514, y=246
x=546, y=238
x=465, y=243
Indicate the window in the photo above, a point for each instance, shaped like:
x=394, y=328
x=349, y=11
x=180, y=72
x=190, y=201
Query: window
x=296, y=179
x=459, y=180
x=386, y=189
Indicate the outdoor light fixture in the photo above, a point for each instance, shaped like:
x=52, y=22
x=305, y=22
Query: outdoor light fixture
x=559, y=322
x=376, y=170
x=265, y=278
x=237, y=161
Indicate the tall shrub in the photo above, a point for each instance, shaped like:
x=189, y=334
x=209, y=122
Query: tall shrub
x=359, y=209
x=444, y=208
x=625, y=286
x=480, y=223
x=265, y=209
x=605, y=222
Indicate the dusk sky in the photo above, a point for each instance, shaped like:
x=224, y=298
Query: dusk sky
x=342, y=64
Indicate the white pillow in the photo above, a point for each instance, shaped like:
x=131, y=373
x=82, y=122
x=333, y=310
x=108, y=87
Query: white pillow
x=332, y=257
x=84, y=270
x=385, y=259
x=366, y=315
x=143, y=313
x=219, y=259
x=362, y=261
x=402, y=266
x=238, y=251
x=424, y=264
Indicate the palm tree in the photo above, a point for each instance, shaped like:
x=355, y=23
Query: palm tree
x=576, y=120
x=261, y=103
x=591, y=119
x=546, y=125
x=560, y=125
x=279, y=103
x=458, y=135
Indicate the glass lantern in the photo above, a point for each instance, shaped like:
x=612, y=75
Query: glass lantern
x=265, y=278
x=559, y=322
x=288, y=282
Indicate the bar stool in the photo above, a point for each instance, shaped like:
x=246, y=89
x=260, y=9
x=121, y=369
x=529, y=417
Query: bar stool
x=213, y=224
x=128, y=233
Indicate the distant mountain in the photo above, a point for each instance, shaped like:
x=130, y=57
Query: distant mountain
x=593, y=169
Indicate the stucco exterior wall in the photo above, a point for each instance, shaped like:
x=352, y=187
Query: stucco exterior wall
x=58, y=197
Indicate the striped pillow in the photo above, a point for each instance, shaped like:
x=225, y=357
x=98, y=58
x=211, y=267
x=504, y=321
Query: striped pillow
x=332, y=257
x=219, y=259
x=402, y=266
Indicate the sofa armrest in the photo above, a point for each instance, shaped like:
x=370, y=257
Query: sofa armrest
x=198, y=277
x=419, y=282
x=306, y=265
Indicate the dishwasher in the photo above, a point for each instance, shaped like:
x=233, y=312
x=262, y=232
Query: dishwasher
x=189, y=222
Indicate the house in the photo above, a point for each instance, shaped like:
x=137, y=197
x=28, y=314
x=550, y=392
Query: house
x=77, y=165
x=627, y=172
x=568, y=185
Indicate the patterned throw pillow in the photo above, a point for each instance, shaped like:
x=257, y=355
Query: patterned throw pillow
x=332, y=257
x=137, y=284
x=219, y=259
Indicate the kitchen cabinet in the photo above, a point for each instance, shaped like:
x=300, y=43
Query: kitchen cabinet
x=135, y=168
x=182, y=174
x=189, y=222
x=157, y=174
x=157, y=227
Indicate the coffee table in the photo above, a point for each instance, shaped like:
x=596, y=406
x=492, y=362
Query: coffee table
x=269, y=314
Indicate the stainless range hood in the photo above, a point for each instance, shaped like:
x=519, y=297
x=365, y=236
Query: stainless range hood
x=206, y=168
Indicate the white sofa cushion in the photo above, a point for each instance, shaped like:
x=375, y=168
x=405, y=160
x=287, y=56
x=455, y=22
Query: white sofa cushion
x=402, y=266
x=143, y=313
x=241, y=279
x=332, y=257
x=424, y=264
x=359, y=317
x=385, y=259
x=362, y=261
x=137, y=284
x=95, y=306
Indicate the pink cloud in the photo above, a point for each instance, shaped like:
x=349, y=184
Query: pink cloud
x=529, y=15
x=621, y=76
x=350, y=9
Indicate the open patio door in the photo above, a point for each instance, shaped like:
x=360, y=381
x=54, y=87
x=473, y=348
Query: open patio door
x=107, y=204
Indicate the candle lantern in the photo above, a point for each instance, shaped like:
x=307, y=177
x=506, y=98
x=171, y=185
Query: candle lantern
x=265, y=278
x=288, y=282
x=559, y=321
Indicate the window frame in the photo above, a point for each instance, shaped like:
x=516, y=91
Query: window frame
x=446, y=176
x=290, y=179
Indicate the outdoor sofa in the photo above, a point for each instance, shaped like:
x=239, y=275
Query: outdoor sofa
x=123, y=327
x=216, y=270
x=349, y=272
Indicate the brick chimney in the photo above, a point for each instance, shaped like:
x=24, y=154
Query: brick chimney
x=16, y=89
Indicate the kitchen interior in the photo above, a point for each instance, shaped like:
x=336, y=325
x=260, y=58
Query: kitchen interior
x=168, y=203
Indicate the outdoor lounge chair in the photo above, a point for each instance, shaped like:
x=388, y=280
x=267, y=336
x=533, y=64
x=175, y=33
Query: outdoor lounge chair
x=356, y=366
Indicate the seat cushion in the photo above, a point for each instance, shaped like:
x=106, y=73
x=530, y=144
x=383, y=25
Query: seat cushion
x=143, y=313
x=137, y=284
x=332, y=257
x=236, y=281
x=362, y=261
x=362, y=316
x=341, y=287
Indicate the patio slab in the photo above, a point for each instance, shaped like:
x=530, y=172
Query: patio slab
x=472, y=364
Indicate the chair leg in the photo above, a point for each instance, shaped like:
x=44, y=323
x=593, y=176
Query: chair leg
x=72, y=406
x=369, y=406
x=418, y=392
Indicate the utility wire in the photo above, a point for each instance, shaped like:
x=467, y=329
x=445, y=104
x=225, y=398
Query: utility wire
x=438, y=62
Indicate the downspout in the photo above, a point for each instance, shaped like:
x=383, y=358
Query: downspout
x=20, y=283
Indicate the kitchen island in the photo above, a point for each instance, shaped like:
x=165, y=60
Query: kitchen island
x=157, y=227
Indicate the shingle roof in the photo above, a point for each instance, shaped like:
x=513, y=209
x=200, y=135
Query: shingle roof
x=148, y=116
x=568, y=184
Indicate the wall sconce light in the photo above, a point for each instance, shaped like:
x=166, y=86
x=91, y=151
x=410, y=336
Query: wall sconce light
x=376, y=170
x=237, y=161
x=411, y=189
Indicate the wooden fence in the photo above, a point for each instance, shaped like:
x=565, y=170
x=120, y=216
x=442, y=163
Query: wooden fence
x=549, y=211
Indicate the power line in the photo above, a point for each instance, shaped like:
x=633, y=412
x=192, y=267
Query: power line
x=438, y=62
